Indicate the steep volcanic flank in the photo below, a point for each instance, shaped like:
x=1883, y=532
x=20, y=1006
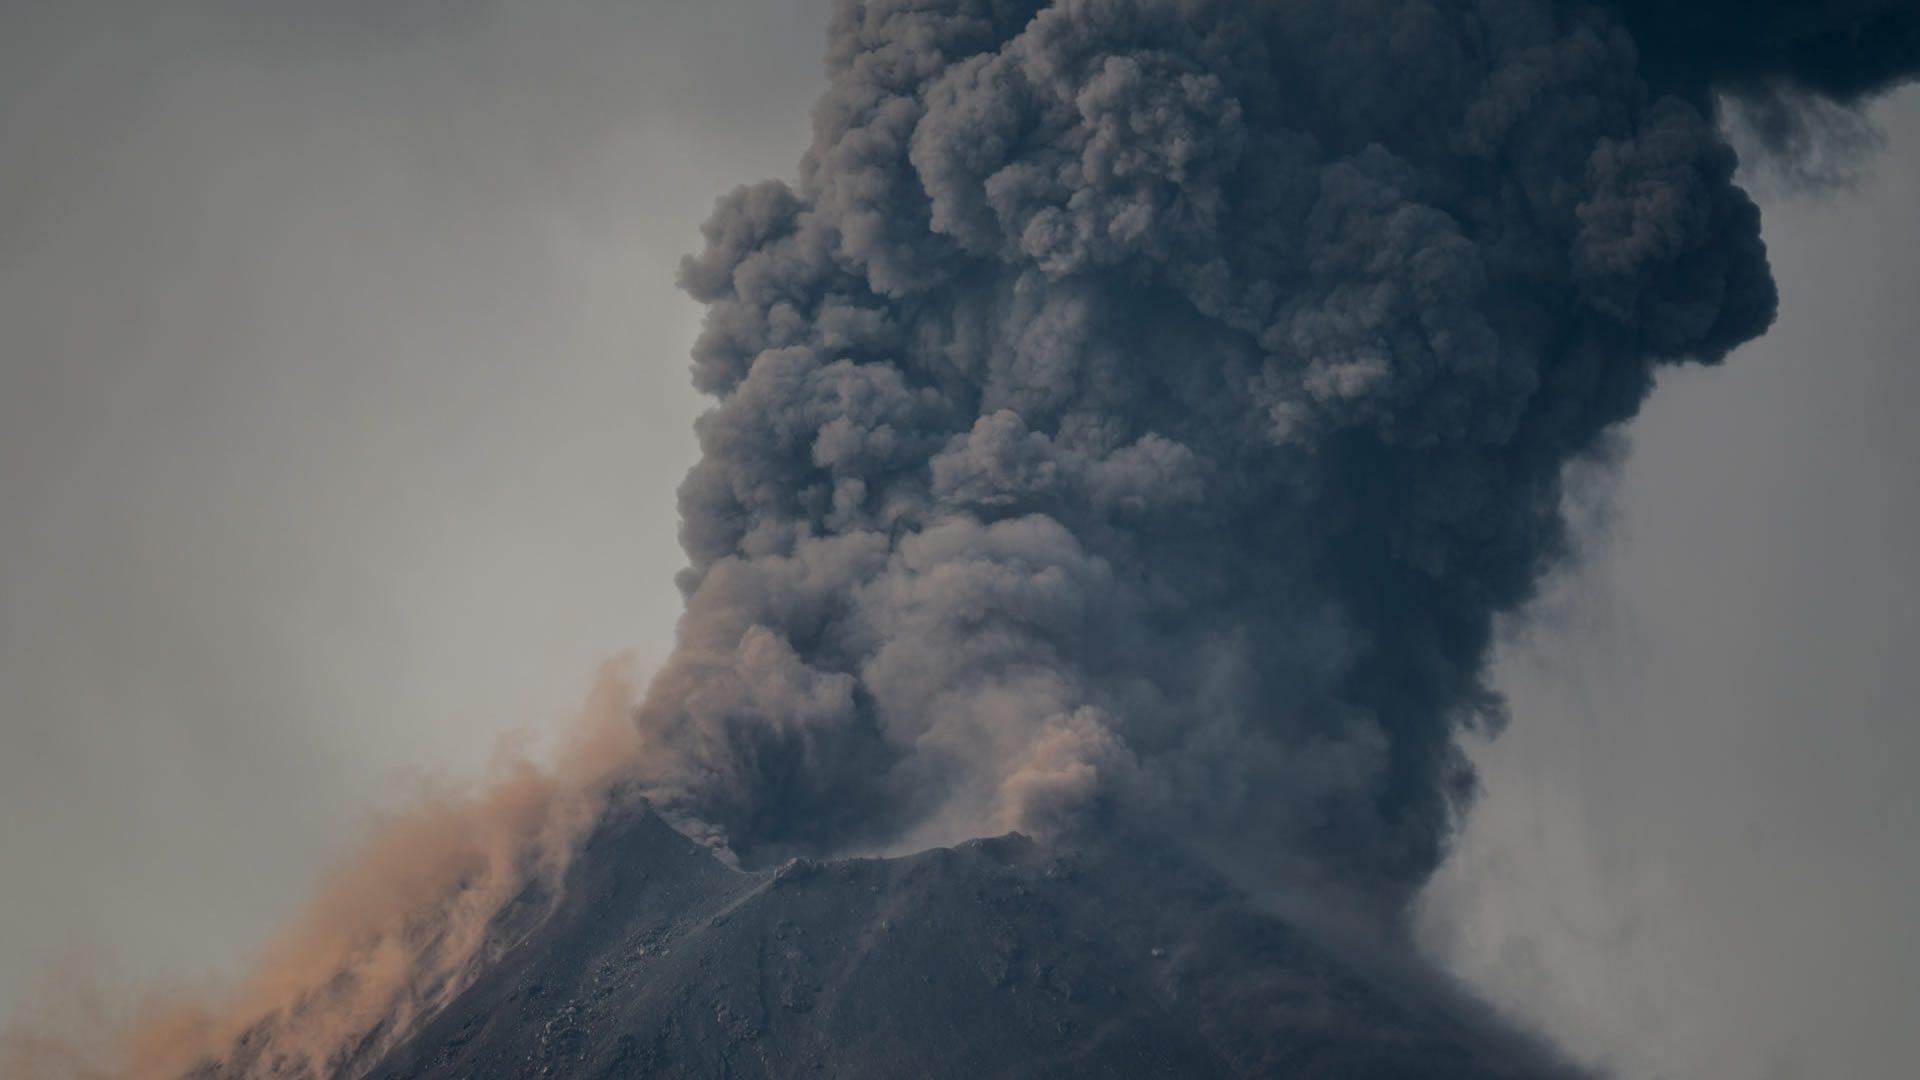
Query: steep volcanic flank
x=998, y=958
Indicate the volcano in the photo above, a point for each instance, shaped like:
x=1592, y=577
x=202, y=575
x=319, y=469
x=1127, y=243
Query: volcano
x=1131, y=420
x=999, y=957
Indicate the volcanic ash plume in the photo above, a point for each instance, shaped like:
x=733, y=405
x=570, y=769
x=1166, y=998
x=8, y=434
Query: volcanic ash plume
x=1134, y=417
x=1138, y=412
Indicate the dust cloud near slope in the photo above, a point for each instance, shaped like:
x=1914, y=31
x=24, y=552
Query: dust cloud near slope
x=433, y=895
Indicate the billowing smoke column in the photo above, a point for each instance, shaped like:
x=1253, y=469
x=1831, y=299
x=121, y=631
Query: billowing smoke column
x=1140, y=410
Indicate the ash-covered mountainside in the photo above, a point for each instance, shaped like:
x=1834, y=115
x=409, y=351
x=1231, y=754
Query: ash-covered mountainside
x=997, y=958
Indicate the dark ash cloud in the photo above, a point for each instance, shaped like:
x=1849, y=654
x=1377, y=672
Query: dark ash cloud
x=1142, y=410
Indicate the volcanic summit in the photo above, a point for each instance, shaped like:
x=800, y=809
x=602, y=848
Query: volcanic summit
x=995, y=958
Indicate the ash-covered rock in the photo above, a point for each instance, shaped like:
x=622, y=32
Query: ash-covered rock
x=998, y=958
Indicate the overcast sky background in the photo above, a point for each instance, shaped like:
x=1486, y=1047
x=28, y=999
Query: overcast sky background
x=343, y=396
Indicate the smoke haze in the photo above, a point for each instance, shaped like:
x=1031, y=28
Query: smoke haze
x=1077, y=342
x=1702, y=805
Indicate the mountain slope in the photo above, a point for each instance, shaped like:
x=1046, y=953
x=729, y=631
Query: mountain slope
x=999, y=958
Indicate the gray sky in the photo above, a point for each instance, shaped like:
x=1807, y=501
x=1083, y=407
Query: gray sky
x=342, y=398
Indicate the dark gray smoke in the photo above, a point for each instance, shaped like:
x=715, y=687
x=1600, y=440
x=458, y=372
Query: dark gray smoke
x=1139, y=410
